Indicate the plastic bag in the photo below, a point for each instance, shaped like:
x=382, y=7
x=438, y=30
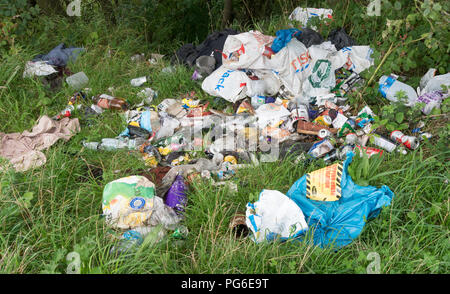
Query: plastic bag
x=347, y=206
x=131, y=202
x=245, y=50
x=321, y=80
x=274, y=216
x=309, y=37
x=340, y=39
x=60, y=55
x=38, y=68
x=430, y=82
x=355, y=58
x=176, y=196
x=292, y=65
x=431, y=100
x=226, y=83
x=268, y=84
x=303, y=15
x=283, y=37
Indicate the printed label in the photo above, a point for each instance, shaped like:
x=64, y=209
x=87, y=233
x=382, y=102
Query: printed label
x=325, y=184
x=386, y=85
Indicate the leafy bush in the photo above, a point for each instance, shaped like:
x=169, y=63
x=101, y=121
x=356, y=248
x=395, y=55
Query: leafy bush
x=15, y=16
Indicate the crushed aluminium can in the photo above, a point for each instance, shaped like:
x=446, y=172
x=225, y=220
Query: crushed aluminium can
x=370, y=151
x=384, y=143
x=409, y=141
x=321, y=148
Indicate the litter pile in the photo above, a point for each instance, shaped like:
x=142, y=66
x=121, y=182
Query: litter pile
x=289, y=94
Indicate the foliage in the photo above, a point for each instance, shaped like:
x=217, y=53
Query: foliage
x=397, y=116
x=14, y=18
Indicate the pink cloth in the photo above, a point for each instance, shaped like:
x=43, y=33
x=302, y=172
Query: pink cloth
x=24, y=149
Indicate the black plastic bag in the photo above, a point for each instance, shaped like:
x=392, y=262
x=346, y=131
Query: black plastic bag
x=340, y=39
x=309, y=37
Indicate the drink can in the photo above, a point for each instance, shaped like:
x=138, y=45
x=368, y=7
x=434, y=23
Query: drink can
x=409, y=141
x=384, y=143
x=369, y=150
x=321, y=148
x=323, y=133
x=324, y=120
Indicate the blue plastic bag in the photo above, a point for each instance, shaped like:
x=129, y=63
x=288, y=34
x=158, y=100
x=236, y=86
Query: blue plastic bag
x=337, y=223
x=283, y=37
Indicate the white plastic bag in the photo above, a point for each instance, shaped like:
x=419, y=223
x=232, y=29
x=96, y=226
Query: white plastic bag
x=303, y=15
x=430, y=82
x=354, y=58
x=274, y=215
x=267, y=85
x=292, y=64
x=245, y=50
x=321, y=80
x=226, y=83
x=38, y=68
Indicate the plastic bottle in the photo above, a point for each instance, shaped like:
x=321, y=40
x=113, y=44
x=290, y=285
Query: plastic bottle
x=130, y=240
x=389, y=86
x=117, y=143
x=176, y=196
x=108, y=102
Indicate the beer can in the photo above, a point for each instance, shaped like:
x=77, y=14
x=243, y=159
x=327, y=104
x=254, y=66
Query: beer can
x=323, y=133
x=409, y=141
x=324, y=120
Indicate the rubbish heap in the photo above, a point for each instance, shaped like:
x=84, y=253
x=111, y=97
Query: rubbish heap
x=289, y=96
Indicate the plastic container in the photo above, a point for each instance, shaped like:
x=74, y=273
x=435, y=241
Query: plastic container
x=78, y=81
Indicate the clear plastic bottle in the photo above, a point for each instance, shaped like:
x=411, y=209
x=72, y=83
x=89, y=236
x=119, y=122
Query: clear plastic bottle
x=389, y=86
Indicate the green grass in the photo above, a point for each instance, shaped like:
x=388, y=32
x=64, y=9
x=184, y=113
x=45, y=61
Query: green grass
x=64, y=213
